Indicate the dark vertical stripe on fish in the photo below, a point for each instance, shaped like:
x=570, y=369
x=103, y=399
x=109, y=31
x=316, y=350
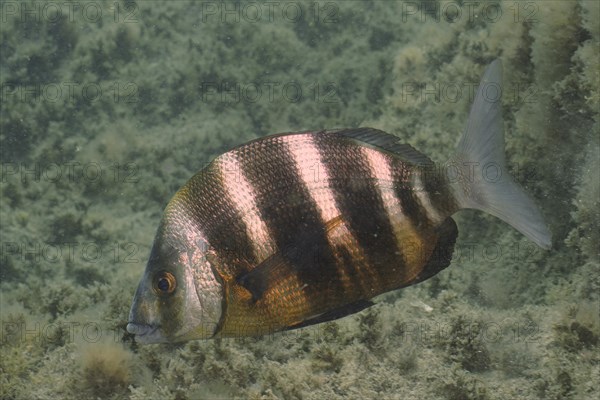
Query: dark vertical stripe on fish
x=224, y=228
x=406, y=192
x=289, y=210
x=361, y=205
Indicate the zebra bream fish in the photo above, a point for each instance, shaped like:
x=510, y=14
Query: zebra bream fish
x=296, y=229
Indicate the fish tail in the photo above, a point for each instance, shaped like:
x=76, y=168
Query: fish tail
x=482, y=181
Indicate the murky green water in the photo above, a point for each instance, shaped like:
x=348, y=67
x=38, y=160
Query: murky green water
x=107, y=108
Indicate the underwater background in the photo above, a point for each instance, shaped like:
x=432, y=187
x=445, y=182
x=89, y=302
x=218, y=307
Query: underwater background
x=109, y=107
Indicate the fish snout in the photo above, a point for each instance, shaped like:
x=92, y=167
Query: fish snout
x=138, y=329
x=145, y=333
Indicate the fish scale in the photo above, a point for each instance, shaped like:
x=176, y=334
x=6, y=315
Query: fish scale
x=296, y=229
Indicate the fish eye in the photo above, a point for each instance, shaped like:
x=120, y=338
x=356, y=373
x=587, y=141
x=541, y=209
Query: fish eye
x=164, y=283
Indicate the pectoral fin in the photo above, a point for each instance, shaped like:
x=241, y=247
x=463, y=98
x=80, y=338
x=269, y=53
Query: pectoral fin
x=266, y=274
x=300, y=258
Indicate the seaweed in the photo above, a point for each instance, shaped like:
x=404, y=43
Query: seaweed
x=465, y=345
x=369, y=329
x=106, y=371
x=461, y=385
x=325, y=358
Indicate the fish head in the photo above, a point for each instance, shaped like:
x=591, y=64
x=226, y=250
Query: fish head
x=178, y=297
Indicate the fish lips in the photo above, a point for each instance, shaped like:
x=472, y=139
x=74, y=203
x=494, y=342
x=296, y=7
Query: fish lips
x=145, y=333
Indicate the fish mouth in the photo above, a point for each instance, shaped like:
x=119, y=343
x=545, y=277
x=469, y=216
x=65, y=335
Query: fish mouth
x=145, y=333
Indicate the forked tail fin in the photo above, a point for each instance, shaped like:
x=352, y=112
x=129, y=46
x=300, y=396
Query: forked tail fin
x=483, y=181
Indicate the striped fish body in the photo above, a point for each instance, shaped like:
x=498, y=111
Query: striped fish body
x=305, y=227
x=301, y=228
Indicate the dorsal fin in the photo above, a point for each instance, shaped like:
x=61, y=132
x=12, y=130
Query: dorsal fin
x=383, y=140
